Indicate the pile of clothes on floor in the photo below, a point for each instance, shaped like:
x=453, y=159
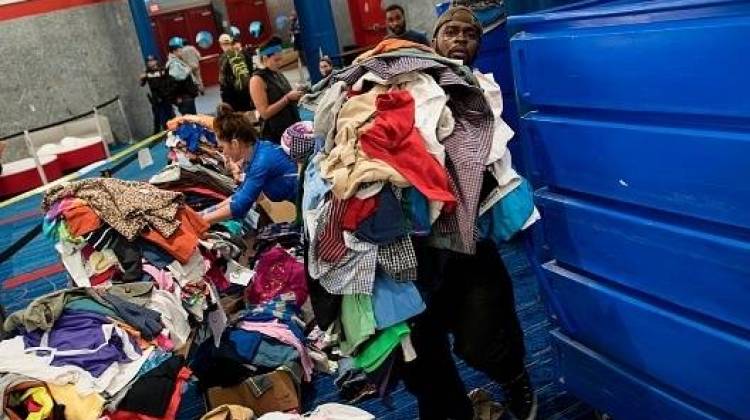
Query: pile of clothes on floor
x=114, y=343
x=263, y=345
x=196, y=167
x=410, y=147
x=112, y=231
x=160, y=302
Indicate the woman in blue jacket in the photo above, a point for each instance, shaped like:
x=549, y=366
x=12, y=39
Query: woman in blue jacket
x=260, y=165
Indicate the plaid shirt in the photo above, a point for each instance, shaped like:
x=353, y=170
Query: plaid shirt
x=354, y=273
x=399, y=260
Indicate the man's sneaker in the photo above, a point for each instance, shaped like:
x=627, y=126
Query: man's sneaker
x=484, y=407
x=520, y=400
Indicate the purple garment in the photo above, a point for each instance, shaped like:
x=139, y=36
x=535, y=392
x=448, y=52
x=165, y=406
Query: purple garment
x=78, y=339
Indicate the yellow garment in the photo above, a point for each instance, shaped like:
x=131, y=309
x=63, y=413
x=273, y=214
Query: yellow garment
x=40, y=396
x=347, y=166
x=77, y=407
x=101, y=261
x=230, y=412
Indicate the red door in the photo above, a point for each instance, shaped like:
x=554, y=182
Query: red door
x=202, y=20
x=170, y=25
x=187, y=24
x=243, y=12
x=368, y=21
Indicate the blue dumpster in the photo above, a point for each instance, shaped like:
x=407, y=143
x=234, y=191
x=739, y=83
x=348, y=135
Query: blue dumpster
x=634, y=127
x=494, y=52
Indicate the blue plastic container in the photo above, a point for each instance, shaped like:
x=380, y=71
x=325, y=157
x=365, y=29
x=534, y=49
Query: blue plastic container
x=634, y=127
x=494, y=51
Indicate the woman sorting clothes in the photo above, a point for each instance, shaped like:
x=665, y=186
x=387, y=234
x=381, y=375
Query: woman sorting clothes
x=259, y=165
x=272, y=94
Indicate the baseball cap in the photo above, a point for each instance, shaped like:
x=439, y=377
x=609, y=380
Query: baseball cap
x=270, y=47
x=176, y=42
x=225, y=39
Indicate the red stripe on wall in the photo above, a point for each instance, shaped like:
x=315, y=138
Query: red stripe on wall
x=36, y=7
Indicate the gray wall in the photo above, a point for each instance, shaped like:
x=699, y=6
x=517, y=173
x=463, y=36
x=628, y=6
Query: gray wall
x=61, y=64
x=343, y=22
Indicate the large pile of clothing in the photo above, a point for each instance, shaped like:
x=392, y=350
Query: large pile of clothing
x=116, y=338
x=159, y=302
x=115, y=342
x=407, y=150
x=411, y=147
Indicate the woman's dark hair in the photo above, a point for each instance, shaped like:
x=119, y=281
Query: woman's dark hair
x=327, y=59
x=230, y=125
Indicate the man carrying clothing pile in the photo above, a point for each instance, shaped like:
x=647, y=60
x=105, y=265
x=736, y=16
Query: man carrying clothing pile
x=470, y=297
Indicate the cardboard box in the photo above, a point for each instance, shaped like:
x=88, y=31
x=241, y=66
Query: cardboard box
x=279, y=212
x=275, y=391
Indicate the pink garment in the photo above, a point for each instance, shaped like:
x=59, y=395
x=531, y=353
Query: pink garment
x=277, y=273
x=162, y=278
x=164, y=342
x=281, y=332
x=65, y=204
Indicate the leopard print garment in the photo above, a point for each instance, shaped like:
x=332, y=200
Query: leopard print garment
x=128, y=206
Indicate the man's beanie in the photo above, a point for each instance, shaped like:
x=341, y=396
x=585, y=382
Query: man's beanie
x=460, y=14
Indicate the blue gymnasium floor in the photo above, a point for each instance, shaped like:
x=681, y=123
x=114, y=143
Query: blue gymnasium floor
x=38, y=254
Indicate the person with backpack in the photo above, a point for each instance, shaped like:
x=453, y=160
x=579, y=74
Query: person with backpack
x=160, y=92
x=247, y=51
x=184, y=87
x=234, y=76
x=192, y=57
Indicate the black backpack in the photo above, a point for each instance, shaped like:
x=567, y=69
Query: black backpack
x=183, y=87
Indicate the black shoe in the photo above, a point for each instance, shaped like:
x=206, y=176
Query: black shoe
x=484, y=407
x=520, y=400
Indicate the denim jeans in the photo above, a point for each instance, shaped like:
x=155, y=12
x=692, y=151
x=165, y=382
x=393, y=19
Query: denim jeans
x=163, y=112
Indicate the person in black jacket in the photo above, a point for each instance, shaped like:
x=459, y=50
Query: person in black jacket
x=160, y=93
